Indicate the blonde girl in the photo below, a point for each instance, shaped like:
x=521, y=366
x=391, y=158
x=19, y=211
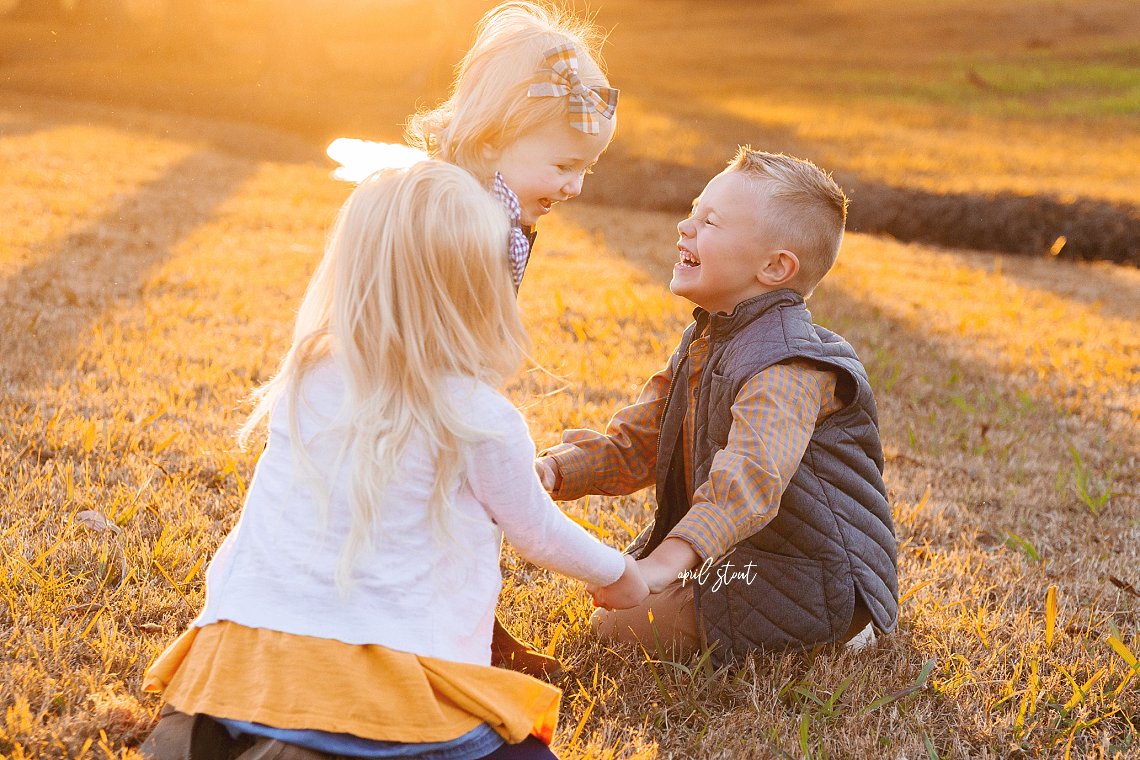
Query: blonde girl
x=349, y=612
x=529, y=114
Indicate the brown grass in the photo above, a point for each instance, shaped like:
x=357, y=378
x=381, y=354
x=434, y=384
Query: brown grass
x=148, y=273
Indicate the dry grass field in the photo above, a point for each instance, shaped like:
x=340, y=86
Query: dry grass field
x=999, y=125
x=151, y=257
x=950, y=97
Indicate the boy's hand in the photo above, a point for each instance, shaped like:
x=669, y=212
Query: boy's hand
x=548, y=473
x=665, y=564
x=627, y=591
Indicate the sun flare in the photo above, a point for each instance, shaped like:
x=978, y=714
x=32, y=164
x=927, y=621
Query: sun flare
x=359, y=158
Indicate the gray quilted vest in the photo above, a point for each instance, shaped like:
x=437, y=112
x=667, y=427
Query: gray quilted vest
x=794, y=583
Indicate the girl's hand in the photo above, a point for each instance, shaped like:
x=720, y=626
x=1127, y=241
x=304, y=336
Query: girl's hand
x=627, y=591
x=548, y=473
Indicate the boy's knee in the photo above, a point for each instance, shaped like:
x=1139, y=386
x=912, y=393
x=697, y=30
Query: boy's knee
x=664, y=620
x=601, y=624
x=613, y=625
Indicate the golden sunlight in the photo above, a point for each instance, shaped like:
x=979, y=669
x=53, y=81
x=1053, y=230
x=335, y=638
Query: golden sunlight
x=359, y=158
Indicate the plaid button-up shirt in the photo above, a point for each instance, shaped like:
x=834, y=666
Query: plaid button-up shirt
x=773, y=418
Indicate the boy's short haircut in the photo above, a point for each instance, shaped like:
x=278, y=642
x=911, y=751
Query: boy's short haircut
x=812, y=210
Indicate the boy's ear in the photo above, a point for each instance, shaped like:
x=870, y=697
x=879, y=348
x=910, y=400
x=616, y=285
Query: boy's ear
x=780, y=268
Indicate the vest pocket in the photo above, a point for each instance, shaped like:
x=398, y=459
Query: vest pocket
x=757, y=599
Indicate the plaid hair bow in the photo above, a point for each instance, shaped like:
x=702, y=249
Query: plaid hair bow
x=585, y=101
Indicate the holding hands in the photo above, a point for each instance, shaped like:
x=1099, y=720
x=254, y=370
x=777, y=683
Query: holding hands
x=651, y=574
x=627, y=591
x=667, y=562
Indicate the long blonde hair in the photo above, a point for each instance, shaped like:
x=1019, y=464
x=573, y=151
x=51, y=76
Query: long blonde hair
x=413, y=288
x=488, y=105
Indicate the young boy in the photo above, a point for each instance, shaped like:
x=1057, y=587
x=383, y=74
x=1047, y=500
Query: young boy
x=772, y=526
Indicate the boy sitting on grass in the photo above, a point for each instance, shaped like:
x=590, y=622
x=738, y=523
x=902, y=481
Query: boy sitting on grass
x=772, y=526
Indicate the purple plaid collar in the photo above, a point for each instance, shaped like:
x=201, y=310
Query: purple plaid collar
x=518, y=248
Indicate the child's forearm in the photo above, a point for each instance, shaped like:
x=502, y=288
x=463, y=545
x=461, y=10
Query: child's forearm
x=621, y=460
x=666, y=563
x=590, y=463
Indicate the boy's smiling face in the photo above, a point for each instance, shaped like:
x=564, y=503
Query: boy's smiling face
x=548, y=164
x=721, y=245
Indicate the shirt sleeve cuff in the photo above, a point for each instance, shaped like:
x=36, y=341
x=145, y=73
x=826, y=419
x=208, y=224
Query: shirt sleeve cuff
x=710, y=533
x=573, y=469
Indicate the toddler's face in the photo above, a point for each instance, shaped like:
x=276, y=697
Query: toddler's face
x=549, y=164
x=720, y=245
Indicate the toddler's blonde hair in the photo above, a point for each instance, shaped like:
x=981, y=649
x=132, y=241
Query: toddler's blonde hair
x=809, y=210
x=488, y=105
x=413, y=288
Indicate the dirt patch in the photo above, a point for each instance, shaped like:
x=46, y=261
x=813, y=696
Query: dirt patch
x=1007, y=222
x=1091, y=229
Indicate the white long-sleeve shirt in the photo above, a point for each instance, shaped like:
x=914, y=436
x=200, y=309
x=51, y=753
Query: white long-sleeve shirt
x=275, y=570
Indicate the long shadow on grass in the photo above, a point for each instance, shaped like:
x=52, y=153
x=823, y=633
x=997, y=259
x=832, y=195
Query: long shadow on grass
x=50, y=305
x=17, y=128
x=1112, y=291
x=1093, y=229
x=169, y=120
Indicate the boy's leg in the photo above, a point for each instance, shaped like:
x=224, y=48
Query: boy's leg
x=508, y=652
x=674, y=622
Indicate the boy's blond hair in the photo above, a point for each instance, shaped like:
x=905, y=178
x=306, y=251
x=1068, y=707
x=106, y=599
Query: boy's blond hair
x=809, y=210
x=413, y=289
x=488, y=105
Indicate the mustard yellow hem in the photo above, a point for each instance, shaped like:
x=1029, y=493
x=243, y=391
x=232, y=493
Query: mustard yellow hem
x=303, y=682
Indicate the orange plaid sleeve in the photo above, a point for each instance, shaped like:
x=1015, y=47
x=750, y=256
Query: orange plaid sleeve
x=773, y=418
x=621, y=460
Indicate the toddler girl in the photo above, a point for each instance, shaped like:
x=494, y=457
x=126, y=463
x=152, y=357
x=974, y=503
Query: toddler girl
x=349, y=612
x=529, y=114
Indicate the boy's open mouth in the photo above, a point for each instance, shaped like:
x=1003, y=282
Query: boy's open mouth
x=688, y=259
